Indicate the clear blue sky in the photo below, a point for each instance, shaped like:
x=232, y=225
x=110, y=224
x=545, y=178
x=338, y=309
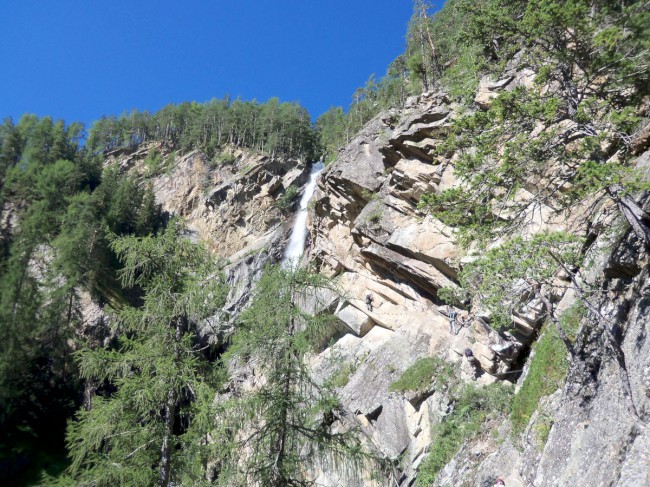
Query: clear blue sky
x=80, y=59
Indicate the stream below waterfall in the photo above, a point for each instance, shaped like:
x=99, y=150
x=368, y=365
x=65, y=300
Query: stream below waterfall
x=296, y=246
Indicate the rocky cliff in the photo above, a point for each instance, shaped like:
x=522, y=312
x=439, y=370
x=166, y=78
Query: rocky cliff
x=584, y=433
x=369, y=234
x=229, y=204
x=390, y=260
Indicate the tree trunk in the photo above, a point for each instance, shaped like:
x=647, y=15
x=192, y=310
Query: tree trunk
x=636, y=216
x=570, y=91
x=170, y=416
x=70, y=302
x=166, y=449
x=277, y=476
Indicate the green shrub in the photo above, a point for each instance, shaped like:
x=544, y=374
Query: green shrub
x=454, y=296
x=369, y=195
x=223, y=158
x=473, y=407
x=287, y=200
x=341, y=377
x=153, y=163
x=570, y=320
x=542, y=429
x=168, y=164
x=375, y=216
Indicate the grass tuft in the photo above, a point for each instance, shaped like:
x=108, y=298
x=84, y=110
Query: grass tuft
x=421, y=374
x=548, y=369
x=473, y=408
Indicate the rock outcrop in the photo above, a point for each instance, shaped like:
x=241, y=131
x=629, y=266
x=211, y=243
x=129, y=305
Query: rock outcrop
x=390, y=260
x=229, y=205
x=368, y=233
x=590, y=436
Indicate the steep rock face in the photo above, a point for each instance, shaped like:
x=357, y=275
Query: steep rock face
x=368, y=233
x=585, y=433
x=591, y=437
x=230, y=206
x=594, y=439
x=367, y=230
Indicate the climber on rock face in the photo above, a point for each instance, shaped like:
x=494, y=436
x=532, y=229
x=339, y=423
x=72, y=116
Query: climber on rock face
x=471, y=366
x=369, y=300
x=469, y=355
x=452, y=315
x=493, y=482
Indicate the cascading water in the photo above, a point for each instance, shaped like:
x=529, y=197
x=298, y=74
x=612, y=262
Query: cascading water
x=296, y=245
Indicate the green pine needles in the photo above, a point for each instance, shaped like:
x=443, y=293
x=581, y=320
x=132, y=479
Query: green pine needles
x=155, y=419
x=565, y=136
x=149, y=421
x=286, y=425
x=503, y=278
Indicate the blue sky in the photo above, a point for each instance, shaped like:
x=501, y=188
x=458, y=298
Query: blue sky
x=80, y=59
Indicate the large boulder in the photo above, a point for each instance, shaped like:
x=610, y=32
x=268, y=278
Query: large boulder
x=355, y=320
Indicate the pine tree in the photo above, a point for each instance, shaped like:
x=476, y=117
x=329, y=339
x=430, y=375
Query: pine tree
x=283, y=426
x=10, y=148
x=505, y=278
x=147, y=423
x=150, y=214
x=580, y=114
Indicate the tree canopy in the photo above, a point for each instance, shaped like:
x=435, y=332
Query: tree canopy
x=274, y=127
x=150, y=418
x=58, y=208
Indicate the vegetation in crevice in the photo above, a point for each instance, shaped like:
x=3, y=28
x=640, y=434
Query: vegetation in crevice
x=342, y=375
x=423, y=373
x=473, y=410
x=547, y=372
x=288, y=199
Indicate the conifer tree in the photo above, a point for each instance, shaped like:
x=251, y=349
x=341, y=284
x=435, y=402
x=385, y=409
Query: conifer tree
x=504, y=278
x=571, y=133
x=146, y=424
x=10, y=148
x=283, y=426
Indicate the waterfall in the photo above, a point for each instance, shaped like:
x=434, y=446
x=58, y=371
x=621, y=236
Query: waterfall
x=296, y=245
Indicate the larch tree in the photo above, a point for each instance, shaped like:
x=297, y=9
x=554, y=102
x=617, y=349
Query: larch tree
x=282, y=430
x=153, y=409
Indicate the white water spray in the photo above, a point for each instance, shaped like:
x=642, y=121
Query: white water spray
x=296, y=245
